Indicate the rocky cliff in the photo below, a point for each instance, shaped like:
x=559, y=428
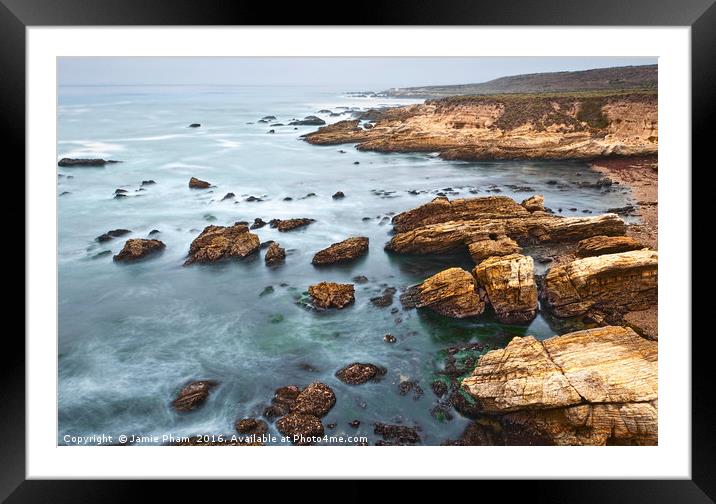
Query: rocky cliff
x=510, y=126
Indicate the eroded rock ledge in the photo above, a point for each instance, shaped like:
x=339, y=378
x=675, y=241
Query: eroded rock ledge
x=549, y=126
x=592, y=387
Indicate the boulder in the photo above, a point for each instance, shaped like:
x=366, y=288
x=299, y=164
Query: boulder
x=192, y=395
x=452, y=292
x=300, y=428
x=347, y=250
x=290, y=224
x=274, y=255
x=332, y=295
x=139, y=248
x=597, y=386
x=493, y=246
x=195, y=183
x=600, y=245
x=358, y=373
x=251, y=426
x=534, y=203
x=317, y=399
x=621, y=282
x=216, y=243
x=509, y=282
x=397, y=434
x=85, y=162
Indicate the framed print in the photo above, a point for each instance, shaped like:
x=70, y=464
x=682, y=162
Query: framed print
x=426, y=245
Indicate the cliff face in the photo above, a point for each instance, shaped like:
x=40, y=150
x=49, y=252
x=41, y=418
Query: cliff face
x=577, y=126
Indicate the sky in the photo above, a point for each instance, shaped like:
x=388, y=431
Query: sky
x=355, y=74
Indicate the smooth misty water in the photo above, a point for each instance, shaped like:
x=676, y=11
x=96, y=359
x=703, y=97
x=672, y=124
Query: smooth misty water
x=131, y=335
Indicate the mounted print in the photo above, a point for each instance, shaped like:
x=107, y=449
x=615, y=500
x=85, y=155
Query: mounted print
x=354, y=251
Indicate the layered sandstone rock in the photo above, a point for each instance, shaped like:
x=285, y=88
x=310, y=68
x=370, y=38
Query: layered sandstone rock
x=621, y=282
x=216, y=243
x=452, y=292
x=551, y=126
x=509, y=283
x=534, y=203
x=138, y=248
x=600, y=245
x=332, y=295
x=498, y=246
x=344, y=251
x=597, y=386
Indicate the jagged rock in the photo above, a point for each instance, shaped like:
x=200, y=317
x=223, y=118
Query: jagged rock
x=344, y=251
x=216, y=243
x=192, y=395
x=332, y=295
x=357, y=373
x=300, y=428
x=509, y=282
x=452, y=292
x=290, y=224
x=274, y=255
x=397, y=434
x=600, y=245
x=85, y=162
x=139, y=248
x=597, y=386
x=534, y=203
x=498, y=246
x=317, y=399
x=114, y=233
x=608, y=283
x=249, y=426
x=308, y=121
x=195, y=183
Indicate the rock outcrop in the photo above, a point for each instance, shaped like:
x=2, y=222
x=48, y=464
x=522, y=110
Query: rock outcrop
x=509, y=283
x=138, y=248
x=452, y=292
x=592, y=387
x=301, y=411
x=317, y=399
x=192, y=395
x=604, y=284
x=216, y=243
x=519, y=126
x=344, y=251
x=357, y=373
x=332, y=295
x=498, y=246
x=290, y=224
x=534, y=203
x=275, y=255
x=195, y=183
x=600, y=245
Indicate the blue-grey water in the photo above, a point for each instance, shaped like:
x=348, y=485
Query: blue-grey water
x=131, y=335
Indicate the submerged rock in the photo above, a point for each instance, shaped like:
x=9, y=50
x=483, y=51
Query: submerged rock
x=147, y=182
x=274, y=255
x=600, y=245
x=358, y=373
x=609, y=283
x=300, y=428
x=192, y=395
x=85, y=162
x=592, y=387
x=338, y=195
x=227, y=196
x=332, y=295
x=195, y=125
x=284, y=225
x=509, y=282
x=139, y=248
x=258, y=223
x=347, y=250
x=282, y=401
x=385, y=299
x=114, y=233
x=195, y=183
x=216, y=243
x=452, y=292
x=397, y=434
x=249, y=426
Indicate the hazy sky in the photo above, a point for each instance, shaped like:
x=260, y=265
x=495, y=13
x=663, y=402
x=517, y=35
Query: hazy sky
x=353, y=73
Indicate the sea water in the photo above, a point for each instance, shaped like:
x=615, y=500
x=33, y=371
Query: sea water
x=131, y=335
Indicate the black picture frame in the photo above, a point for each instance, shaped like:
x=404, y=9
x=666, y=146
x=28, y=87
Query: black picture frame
x=700, y=15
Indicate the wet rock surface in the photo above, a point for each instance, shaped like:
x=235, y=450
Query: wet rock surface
x=316, y=399
x=290, y=224
x=216, y=243
x=358, y=373
x=114, y=233
x=344, y=251
x=331, y=295
x=275, y=255
x=136, y=249
x=397, y=434
x=385, y=299
x=193, y=395
x=251, y=426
